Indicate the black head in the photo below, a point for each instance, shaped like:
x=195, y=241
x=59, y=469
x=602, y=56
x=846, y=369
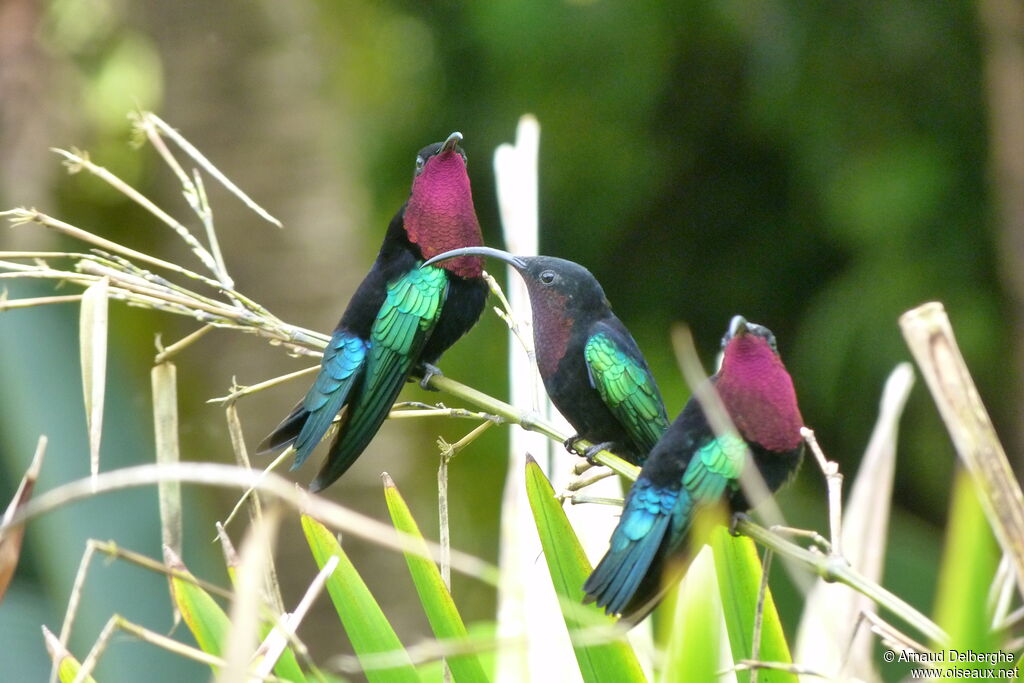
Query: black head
x=547, y=278
x=739, y=327
x=451, y=144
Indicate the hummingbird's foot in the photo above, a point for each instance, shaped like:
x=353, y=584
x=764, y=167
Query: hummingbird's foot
x=595, y=449
x=570, y=444
x=734, y=522
x=429, y=370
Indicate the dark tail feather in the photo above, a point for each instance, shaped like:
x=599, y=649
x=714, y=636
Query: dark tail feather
x=285, y=433
x=660, y=579
x=363, y=422
x=624, y=575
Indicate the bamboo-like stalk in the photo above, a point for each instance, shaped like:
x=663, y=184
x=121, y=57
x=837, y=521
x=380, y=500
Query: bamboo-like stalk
x=929, y=335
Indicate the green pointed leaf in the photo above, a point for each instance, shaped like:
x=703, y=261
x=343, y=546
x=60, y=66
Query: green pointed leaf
x=691, y=653
x=92, y=329
x=968, y=566
x=364, y=622
x=203, y=616
x=444, y=617
x=612, y=661
x=67, y=666
x=738, y=568
x=10, y=544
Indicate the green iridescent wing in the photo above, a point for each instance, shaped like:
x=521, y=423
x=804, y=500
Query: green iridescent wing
x=657, y=515
x=621, y=376
x=410, y=311
x=713, y=471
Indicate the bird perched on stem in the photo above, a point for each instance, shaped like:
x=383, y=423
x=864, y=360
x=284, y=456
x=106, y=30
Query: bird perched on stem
x=691, y=467
x=400, y=320
x=591, y=366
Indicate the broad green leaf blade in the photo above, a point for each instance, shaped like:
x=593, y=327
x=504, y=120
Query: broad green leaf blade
x=738, y=568
x=203, y=616
x=969, y=563
x=444, y=617
x=92, y=339
x=364, y=622
x=67, y=666
x=10, y=545
x=692, y=651
x=613, y=661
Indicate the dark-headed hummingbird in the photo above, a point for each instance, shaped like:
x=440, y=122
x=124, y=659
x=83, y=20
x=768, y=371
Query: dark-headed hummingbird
x=591, y=366
x=401, y=318
x=691, y=467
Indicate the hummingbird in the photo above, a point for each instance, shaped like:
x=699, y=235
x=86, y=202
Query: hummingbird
x=691, y=467
x=400, y=320
x=592, y=368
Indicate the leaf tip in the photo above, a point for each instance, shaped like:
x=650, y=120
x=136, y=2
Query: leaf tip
x=53, y=646
x=172, y=560
x=230, y=556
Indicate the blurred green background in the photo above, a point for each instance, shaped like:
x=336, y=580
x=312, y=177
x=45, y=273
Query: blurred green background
x=818, y=167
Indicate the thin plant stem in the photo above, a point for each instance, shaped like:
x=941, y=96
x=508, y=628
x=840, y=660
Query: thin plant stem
x=271, y=585
x=809, y=534
x=762, y=591
x=581, y=483
x=238, y=392
x=206, y=216
x=274, y=644
x=448, y=451
x=834, y=482
x=117, y=622
x=754, y=666
x=230, y=476
x=11, y=304
x=581, y=499
x=252, y=489
x=207, y=165
x=74, y=599
x=833, y=568
x=165, y=353
x=77, y=161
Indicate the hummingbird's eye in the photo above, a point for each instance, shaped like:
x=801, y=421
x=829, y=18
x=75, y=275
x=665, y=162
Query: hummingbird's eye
x=419, y=164
x=547, y=277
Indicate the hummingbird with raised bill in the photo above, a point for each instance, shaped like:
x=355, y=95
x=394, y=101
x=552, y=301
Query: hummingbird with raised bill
x=691, y=467
x=400, y=320
x=591, y=366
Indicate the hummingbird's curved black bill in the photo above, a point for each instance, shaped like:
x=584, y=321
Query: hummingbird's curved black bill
x=451, y=142
x=738, y=326
x=508, y=258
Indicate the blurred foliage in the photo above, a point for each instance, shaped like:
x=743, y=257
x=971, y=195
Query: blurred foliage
x=817, y=167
